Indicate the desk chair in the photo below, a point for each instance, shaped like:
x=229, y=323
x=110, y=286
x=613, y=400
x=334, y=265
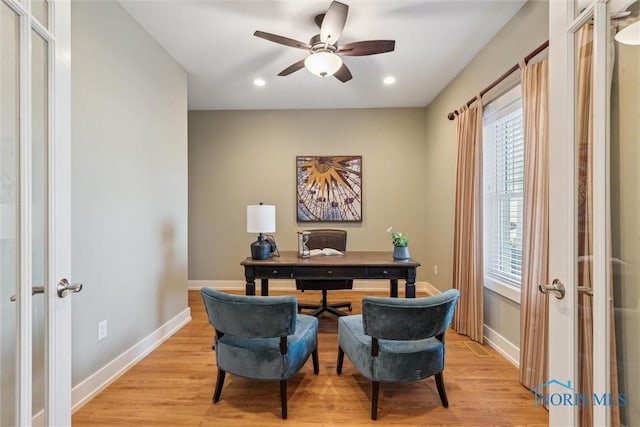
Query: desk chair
x=262, y=338
x=398, y=340
x=320, y=239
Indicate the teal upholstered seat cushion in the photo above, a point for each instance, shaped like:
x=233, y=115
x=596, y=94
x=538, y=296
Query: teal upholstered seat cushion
x=260, y=358
x=397, y=361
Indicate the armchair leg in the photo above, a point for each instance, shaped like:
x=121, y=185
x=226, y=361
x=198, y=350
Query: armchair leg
x=340, y=360
x=283, y=398
x=374, y=399
x=219, y=384
x=441, y=391
x=314, y=357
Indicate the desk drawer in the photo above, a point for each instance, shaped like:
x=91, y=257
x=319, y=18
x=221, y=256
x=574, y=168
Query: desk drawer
x=274, y=272
x=330, y=273
x=384, y=273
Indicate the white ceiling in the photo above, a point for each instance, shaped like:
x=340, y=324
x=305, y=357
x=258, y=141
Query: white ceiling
x=213, y=40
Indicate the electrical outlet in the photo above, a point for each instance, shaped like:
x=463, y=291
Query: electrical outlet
x=102, y=330
x=435, y=270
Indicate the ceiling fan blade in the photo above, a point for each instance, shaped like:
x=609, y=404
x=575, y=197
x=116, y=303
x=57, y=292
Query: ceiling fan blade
x=368, y=47
x=292, y=68
x=343, y=74
x=333, y=22
x=318, y=20
x=282, y=40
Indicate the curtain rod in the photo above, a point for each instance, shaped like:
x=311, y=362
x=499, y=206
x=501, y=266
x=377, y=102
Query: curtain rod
x=527, y=58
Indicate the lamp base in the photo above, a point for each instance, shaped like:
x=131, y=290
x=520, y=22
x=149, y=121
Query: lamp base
x=260, y=249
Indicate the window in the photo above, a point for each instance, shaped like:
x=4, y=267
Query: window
x=503, y=184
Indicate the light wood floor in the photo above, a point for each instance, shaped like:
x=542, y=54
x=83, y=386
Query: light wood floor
x=174, y=385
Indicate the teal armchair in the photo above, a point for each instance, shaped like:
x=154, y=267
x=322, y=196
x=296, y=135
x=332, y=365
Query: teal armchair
x=261, y=338
x=398, y=340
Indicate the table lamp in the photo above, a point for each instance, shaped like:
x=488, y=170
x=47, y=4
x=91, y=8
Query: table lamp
x=261, y=219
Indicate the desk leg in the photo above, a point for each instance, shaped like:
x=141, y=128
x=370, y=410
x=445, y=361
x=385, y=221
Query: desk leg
x=410, y=286
x=250, y=288
x=393, y=291
x=264, y=287
x=410, y=290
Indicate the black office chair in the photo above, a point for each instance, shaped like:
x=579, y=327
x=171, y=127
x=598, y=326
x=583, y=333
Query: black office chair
x=320, y=239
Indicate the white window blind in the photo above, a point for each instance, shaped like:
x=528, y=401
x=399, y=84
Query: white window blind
x=503, y=184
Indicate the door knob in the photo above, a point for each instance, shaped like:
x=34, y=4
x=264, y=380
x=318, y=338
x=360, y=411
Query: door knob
x=34, y=290
x=65, y=288
x=556, y=288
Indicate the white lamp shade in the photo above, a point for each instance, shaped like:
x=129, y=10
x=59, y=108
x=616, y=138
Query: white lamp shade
x=323, y=63
x=629, y=34
x=261, y=219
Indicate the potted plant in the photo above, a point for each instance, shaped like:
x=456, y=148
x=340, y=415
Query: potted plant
x=400, y=244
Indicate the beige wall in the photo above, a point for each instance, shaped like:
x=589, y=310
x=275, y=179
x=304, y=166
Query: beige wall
x=129, y=184
x=625, y=205
x=245, y=157
x=526, y=30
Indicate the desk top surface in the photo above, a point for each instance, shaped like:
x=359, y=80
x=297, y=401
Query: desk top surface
x=349, y=258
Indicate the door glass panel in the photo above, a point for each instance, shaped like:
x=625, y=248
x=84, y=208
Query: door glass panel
x=9, y=137
x=40, y=10
x=39, y=173
x=625, y=227
x=584, y=181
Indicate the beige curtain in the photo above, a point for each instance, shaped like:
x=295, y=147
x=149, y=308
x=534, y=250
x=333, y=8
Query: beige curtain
x=584, y=134
x=467, y=246
x=534, y=308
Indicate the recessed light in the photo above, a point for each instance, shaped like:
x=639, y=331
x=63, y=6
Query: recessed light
x=259, y=82
x=389, y=80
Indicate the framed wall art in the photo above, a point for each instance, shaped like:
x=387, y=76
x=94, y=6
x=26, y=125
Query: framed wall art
x=329, y=188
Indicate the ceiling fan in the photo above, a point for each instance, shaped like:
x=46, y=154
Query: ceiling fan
x=325, y=54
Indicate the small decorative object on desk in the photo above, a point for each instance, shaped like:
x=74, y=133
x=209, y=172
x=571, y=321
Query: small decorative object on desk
x=400, y=244
x=303, y=240
x=325, y=251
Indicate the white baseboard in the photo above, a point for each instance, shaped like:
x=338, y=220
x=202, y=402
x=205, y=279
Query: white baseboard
x=290, y=285
x=430, y=289
x=89, y=388
x=506, y=348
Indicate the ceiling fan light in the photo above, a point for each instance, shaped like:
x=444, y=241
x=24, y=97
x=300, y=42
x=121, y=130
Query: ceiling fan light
x=629, y=34
x=323, y=63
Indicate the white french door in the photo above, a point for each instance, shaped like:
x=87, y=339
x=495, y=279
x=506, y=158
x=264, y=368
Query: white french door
x=565, y=361
x=35, y=321
x=591, y=380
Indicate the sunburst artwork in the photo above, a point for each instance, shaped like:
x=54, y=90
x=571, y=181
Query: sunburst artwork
x=329, y=188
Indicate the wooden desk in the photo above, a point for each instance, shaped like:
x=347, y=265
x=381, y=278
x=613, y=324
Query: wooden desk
x=351, y=265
